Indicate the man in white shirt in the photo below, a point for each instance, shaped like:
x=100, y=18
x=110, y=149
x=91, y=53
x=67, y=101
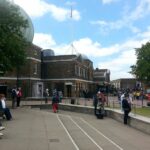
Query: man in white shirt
x=4, y=108
x=1, y=127
x=121, y=99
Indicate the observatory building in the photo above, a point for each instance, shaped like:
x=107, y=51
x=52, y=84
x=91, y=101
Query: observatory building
x=70, y=74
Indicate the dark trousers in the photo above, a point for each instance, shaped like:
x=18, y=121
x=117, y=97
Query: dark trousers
x=95, y=108
x=7, y=113
x=18, y=101
x=13, y=102
x=46, y=100
x=126, y=113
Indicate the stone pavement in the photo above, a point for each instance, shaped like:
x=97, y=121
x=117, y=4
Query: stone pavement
x=31, y=130
x=35, y=129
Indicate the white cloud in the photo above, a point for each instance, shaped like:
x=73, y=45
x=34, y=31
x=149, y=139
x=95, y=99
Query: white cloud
x=120, y=66
x=38, y=8
x=146, y=34
x=127, y=21
x=117, y=57
x=44, y=41
x=108, y=1
x=89, y=47
x=82, y=46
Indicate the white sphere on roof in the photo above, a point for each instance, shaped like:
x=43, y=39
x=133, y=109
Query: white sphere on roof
x=48, y=52
x=28, y=32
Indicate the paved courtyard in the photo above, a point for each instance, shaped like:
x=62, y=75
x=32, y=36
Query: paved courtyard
x=35, y=129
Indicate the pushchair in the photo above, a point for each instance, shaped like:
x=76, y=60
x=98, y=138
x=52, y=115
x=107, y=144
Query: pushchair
x=100, y=112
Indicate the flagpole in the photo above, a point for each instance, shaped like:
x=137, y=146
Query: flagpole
x=71, y=17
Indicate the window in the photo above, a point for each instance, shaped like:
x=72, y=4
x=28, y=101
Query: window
x=35, y=53
x=35, y=68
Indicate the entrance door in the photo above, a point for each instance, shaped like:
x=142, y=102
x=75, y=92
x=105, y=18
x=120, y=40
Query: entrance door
x=37, y=89
x=69, y=89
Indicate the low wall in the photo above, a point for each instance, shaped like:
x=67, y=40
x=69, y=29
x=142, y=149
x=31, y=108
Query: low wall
x=136, y=122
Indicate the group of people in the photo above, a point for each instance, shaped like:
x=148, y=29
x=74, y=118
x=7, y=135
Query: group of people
x=16, y=95
x=125, y=101
x=5, y=110
x=56, y=98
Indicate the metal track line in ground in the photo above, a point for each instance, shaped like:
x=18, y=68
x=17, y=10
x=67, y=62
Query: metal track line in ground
x=120, y=148
x=77, y=148
x=85, y=133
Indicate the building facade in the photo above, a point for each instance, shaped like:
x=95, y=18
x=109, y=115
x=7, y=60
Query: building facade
x=124, y=83
x=101, y=79
x=28, y=77
x=71, y=74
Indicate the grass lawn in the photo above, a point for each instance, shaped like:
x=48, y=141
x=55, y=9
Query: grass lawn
x=145, y=111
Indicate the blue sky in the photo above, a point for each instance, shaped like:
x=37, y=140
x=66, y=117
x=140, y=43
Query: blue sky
x=106, y=31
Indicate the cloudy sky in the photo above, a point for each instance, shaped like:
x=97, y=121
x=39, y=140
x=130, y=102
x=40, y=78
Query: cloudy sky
x=106, y=31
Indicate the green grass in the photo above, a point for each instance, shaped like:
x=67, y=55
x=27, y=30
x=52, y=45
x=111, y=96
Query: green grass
x=144, y=111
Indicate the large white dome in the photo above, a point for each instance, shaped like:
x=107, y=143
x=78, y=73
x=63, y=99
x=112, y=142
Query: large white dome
x=28, y=32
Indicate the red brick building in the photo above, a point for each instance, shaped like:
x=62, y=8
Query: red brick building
x=70, y=74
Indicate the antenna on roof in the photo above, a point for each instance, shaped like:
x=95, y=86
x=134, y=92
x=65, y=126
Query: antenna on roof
x=72, y=47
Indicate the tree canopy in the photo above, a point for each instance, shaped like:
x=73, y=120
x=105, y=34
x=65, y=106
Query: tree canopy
x=142, y=67
x=12, y=41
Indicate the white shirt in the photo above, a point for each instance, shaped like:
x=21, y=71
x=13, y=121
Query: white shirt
x=122, y=96
x=3, y=103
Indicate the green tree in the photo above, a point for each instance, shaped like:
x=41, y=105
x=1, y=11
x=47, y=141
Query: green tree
x=142, y=67
x=12, y=41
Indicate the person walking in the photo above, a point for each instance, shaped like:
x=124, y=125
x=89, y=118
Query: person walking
x=126, y=108
x=14, y=97
x=19, y=95
x=55, y=101
x=46, y=94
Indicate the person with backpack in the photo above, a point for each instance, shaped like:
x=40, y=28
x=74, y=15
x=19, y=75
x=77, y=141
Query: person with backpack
x=126, y=108
x=55, y=101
